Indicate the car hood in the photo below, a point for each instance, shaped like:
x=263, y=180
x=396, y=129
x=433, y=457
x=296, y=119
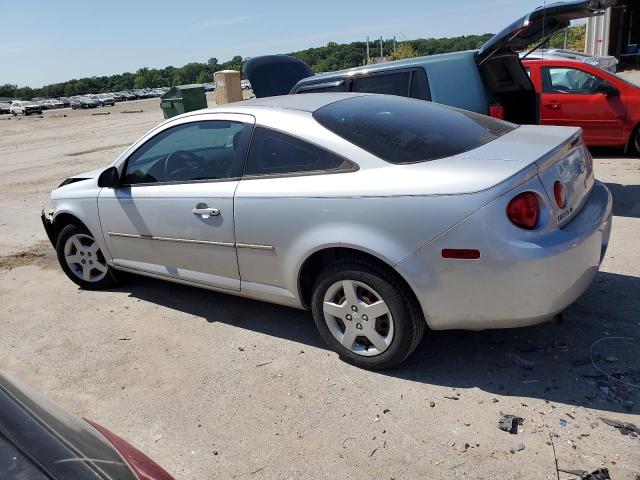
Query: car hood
x=90, y=174
x=541, y=23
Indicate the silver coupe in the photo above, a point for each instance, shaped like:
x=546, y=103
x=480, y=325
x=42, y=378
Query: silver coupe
x=383, y=215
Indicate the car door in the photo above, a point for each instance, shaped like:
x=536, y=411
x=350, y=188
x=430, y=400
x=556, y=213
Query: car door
x=573, y=96
x=173, y=213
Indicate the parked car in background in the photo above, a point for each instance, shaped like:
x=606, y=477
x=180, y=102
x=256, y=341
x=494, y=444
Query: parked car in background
x=5, y=107
x=604, y=105
x=379, y=213
x=51, y=103
x=65, y=101
x=83, y=101
x=209, y=87
x=490, y=80
x=41, y=441
x=605, y=62
x=25, y=107
x=104, y=99
x=118, y=97
x=129, y=95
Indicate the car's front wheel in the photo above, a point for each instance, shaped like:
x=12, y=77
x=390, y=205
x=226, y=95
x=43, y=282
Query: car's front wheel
x=367, y=317
x=82, y=260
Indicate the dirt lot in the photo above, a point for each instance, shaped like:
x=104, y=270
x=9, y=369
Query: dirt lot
x=214, y=386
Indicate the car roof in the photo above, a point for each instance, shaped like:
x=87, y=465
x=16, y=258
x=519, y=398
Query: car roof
x=381, y=67
x=306, y=103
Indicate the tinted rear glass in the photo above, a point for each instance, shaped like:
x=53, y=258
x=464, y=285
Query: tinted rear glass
x=403, y=130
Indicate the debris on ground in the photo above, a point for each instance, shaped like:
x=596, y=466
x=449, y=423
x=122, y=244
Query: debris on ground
x=432, y=404
x=101, y=113
x=460, y=447
x=563, y=422
x=132, y=111
x=522, y=363
x=509, y=423
x=517, y=447
x=623, y=427
x=600, y=474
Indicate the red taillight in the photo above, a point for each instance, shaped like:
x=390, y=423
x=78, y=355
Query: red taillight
x=560, y=193
x=524, y=210
x=496, y=111
x=142, y=466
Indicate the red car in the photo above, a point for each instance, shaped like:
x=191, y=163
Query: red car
x=606, y=106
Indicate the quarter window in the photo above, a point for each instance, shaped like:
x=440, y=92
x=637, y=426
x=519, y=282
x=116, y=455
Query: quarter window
x=569, y=80
x=205, y=150
x=274, y=152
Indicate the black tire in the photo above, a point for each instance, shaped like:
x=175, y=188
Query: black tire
x=634, y=142
x=408, y=321
x=107, y=281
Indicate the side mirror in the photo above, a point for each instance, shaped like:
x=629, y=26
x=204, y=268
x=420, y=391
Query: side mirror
x=608, y=89
x=109, y=178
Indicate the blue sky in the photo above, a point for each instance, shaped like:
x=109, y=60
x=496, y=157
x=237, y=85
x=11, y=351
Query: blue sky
x=46, y=41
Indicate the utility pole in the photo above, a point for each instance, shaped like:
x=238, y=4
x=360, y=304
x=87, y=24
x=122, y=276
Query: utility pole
x=394, y=45
x=566, y=37
x=368, y=57
x=381, y=51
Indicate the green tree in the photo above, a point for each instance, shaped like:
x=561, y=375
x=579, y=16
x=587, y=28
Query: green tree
x=404, y=50
x=7, y=90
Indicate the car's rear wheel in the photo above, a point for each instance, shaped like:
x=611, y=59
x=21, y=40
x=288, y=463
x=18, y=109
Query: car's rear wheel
x=82, y=260
x=367, y=317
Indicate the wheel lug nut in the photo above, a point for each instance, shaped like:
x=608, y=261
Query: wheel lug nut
x=83, y=261
x=365, y=318
x=359, y=326
x=90, y=262
x=82, y=254
x=354, y=308
x=349, y=317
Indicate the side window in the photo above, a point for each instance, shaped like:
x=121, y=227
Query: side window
x=569, y=80
x=396, y=83
x=273, y=152
x=209, y=149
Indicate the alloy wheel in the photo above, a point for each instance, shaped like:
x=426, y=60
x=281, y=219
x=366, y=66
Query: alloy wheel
x=84, y=258
x=358, y=317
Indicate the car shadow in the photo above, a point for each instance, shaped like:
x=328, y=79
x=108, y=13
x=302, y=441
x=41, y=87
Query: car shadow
x=547, y=361
x=626, y=199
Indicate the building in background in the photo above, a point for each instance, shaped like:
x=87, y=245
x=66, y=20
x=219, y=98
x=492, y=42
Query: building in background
x=616, y=33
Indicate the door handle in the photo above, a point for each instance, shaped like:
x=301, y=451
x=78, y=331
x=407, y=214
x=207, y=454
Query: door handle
x=552, y=106
x=205, y=212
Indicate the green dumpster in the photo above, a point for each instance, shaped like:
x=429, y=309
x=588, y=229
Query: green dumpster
x=183, y=98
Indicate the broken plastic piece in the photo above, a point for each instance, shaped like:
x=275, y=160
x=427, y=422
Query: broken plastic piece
x=509, y=423
x=600, y=474
x=623, y=427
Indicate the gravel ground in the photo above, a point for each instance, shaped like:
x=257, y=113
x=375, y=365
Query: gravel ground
x=215, y=386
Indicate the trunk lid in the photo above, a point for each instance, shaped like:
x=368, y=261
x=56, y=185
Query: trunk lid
x=540, y=24
x=572, y=166
x=273, y=75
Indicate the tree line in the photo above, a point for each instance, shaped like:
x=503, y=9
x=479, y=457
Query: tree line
x=330, y=57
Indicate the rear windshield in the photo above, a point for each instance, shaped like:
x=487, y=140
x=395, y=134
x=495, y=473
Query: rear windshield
x=403, y=130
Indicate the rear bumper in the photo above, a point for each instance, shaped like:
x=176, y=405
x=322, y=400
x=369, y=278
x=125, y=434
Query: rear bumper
x=516, y=282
